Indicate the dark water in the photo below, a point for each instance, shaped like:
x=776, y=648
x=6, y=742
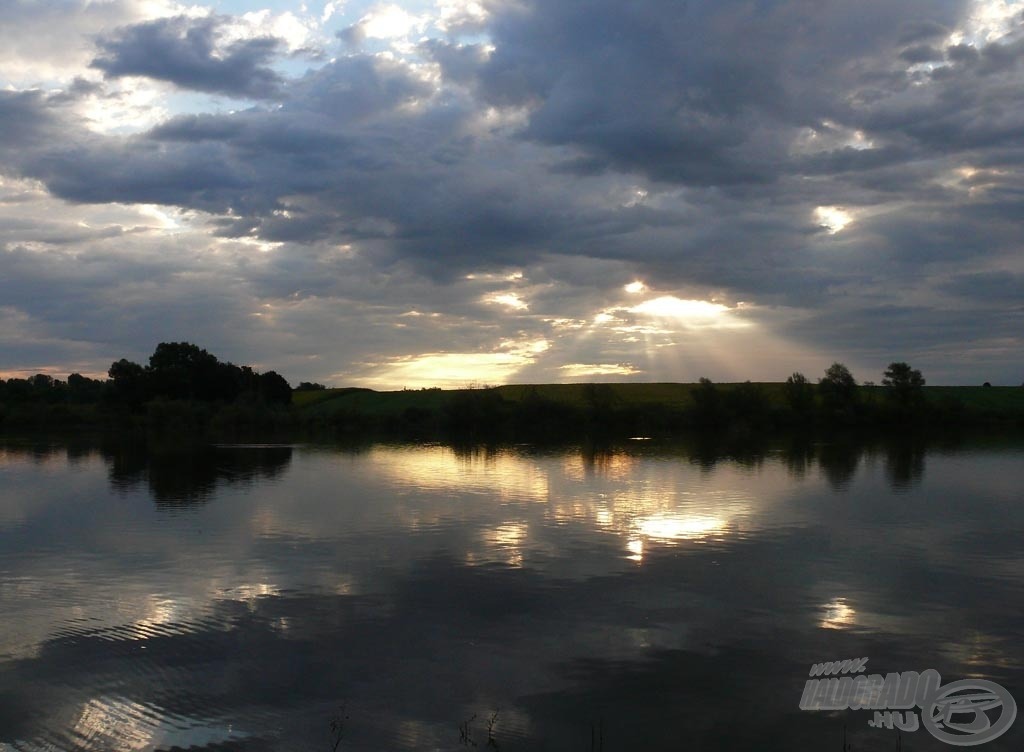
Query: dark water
x=646, y=597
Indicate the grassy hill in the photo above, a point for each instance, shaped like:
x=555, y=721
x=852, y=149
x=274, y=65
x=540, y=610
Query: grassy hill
x=673, y=396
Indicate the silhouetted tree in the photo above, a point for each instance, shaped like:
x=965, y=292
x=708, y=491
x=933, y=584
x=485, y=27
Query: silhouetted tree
x=707, y=404
x=747, y=403
x=82, y=389
x=17, y=390
x=127, y=382
x=41, y=382
x=838, y=389
x=273, y=389
x=474, y=412
x=904, y=385
x=184, y=371
x=600, y=408
x=181, y=370
x=799, y=394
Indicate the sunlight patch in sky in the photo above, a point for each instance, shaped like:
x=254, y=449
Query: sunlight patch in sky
x=458, y=370
x=833, y=218
x=671, y=307
x=990, y=20
x=389, y=22
x=507, y=299
x=578, y=370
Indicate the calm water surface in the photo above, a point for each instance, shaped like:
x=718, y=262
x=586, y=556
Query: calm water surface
x=235, y=597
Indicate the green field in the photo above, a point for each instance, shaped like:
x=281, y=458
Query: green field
x=373, y=403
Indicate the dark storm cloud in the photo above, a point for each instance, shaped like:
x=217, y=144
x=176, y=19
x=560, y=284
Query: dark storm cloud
x=700, y=93
x=1001, y=287
x=24, y=119
x=923, y=31
x=704, y=95
x=921, y=53
x=459, y=62
x=690, y=143
x=79, y=299
x=183, y=51
x=984, y=334
x=134, y=172
x=1000, y=58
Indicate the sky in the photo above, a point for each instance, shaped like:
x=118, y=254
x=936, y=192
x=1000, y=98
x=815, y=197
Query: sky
x=469, y=192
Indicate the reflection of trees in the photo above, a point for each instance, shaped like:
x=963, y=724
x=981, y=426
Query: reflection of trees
x=37, y=452
x=78, y=453
x=707, y=450
x=839, y=461
x=904, y=464
x=904, y=460
x=598, y=459
x=798, y=455
x=186, y=476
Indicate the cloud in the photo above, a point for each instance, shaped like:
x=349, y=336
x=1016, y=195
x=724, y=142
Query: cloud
x=701, y=93
x=53, y=41
x=820, y=163
x=26, y=120
x=187, y=52
x=581, y=370
x=921, y=53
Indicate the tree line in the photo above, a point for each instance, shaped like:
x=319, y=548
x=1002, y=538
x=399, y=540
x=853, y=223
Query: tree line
x=186, y=389
x=176, y=371
x=839, y=394
x=835, y=400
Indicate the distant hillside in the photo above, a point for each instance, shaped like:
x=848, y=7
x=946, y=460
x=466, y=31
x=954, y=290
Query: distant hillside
x=369, y=402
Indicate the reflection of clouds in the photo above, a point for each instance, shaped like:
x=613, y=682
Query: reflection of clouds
x=249, y=592
x=675, y=528
x=665, y=516
x=607, y=465
x=980, y=652
x=622, y=493
x=158, y=613
x=508, y=539
x=400, y=555
x=502, y=474
x=837, y=614
x=103, y=715
x=715, y=517
x=124, y=724
x=44, y=456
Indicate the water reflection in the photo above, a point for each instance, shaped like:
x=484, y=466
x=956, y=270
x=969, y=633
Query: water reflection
x=904, y=464
x=838, y=614
x=675, y=595
x=179, y=477
x=190, y=473
x=838, y=462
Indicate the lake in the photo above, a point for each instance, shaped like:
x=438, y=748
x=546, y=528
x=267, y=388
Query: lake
x=643, y=596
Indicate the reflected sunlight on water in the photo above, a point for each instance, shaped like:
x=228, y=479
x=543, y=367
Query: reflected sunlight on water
x=837, y=614
x=240, y=595
x=504, y=475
